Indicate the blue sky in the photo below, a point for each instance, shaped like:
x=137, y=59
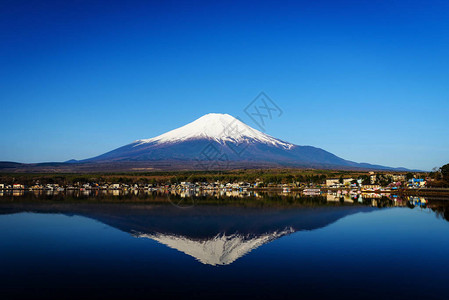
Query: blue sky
x=365, y=80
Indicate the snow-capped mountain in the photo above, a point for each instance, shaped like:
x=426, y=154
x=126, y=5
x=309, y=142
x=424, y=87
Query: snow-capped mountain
x=221, y=128
x=218, y=141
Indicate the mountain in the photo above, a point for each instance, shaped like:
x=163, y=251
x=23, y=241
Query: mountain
x=212, y=142
x=218, y=141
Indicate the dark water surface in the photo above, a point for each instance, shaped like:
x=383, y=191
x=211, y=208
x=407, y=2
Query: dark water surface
x=304, y=249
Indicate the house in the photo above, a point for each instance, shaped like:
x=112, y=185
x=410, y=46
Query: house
x=332, y=182
x=235, y=186
x=336, y=182
x=187, y=185
x=395, y=177
x=416, y=182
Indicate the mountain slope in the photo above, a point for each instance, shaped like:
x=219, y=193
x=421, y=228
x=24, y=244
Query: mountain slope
x=220, y=140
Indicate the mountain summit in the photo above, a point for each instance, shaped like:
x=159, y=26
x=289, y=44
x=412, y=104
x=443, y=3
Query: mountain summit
x=221, y=128
x=218, y=141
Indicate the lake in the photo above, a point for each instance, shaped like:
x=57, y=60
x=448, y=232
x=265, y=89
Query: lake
x=262, y=246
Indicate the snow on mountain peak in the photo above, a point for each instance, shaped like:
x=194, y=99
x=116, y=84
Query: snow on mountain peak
x=218, y=127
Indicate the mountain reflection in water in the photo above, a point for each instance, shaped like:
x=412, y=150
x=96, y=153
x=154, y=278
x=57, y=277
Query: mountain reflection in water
x=264, y=246
x=213, y=233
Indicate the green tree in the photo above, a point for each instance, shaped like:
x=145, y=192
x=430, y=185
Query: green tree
x=445, y=172
x=366, y=180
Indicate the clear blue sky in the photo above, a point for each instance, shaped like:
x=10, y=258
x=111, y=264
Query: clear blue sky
x=366, y=80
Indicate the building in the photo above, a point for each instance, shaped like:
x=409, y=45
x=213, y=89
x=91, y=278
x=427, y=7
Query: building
x=187, y=185
x=395, y=177
x=416, y=182
x=332, y=182
x=336, y=182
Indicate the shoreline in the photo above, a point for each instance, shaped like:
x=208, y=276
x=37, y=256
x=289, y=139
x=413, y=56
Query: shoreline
x=402, y=192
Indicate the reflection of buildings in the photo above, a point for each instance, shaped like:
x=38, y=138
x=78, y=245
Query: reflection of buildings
x=371, y=199
x=17, y=193
x=216, y=196
x=370, y=187
x=233, y=194
x=338, y=197
x=331, y=197
x=418, y=201
x=372, y=195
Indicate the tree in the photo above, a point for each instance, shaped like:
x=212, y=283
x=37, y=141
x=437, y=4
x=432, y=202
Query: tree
x=289, y=178
x=366, y=180
x=435, y=173
x=409, y=175
x=445, y=172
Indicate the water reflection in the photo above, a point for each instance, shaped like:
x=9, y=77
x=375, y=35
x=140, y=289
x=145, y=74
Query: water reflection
x=218, y=228
x=222, y=249
x=213, y=235
x=192, y=198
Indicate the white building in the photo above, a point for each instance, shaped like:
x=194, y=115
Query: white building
x=396, y=178
x=332, y=182
x=336, y=182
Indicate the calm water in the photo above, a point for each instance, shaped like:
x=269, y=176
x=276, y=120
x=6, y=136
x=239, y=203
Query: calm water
x=268, y=247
